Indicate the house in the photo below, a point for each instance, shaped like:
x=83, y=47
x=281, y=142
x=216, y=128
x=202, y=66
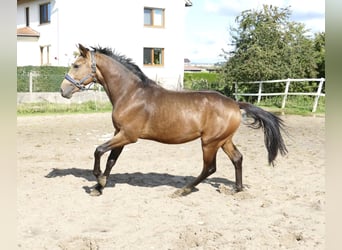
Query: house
x=148, y=31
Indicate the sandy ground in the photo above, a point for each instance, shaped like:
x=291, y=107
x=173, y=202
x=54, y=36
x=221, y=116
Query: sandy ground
x=282, y=207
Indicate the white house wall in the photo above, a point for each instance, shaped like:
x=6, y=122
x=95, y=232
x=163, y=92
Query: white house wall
x=170, y=38
x=115, y=24
x=29, y=51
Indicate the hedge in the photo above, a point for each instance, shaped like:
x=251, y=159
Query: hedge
x=45, y=79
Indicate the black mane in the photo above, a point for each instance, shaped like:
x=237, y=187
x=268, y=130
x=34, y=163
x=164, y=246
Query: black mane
x=127, y=62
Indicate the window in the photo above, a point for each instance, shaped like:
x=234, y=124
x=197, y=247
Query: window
x=154, y=56
x=45, y=13
x=45, y=55
x=154, y=17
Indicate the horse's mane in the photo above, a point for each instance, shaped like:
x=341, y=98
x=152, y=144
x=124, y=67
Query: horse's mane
x=126, y=62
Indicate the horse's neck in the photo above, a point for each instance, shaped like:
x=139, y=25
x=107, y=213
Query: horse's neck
x=115, y=80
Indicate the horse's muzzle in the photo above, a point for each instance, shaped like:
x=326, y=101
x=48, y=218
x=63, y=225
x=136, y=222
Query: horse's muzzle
x=67, y=92
x=63, y=94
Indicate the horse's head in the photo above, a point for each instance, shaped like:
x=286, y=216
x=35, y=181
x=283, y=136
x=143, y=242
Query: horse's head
x=81, y=74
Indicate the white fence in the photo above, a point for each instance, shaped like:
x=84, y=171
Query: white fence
x=100, y=96
x=286, y=92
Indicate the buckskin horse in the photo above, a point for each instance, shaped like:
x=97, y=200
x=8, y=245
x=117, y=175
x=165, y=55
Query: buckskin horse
x=144, y=110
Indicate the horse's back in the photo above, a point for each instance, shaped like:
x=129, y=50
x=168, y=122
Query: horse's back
x=210, y=101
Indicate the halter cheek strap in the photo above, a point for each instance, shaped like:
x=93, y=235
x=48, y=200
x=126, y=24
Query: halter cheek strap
x=79, y=84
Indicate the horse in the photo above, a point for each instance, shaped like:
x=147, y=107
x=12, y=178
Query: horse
x=142, y=109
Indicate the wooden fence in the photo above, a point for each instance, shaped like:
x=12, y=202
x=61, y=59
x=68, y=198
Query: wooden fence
x=286, y=92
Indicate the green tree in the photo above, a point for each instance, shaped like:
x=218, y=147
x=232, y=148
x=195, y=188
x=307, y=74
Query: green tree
x=319, y=46
x=268, y=46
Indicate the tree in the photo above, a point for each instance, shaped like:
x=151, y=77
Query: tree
x=268, y=46
x=319, y=46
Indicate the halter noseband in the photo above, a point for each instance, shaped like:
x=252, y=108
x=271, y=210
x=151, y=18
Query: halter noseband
x=79, y=84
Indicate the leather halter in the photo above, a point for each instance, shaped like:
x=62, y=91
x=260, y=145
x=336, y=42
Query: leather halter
x=79, y=84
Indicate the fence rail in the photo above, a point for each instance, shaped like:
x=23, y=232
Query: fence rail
x=286, y=92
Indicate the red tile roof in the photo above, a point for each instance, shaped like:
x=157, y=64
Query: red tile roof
x=27, y=31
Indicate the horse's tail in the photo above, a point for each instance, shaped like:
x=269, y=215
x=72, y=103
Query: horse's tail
x=271, y=125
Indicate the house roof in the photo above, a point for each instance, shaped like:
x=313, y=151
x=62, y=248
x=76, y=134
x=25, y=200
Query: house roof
x=27, y=31
x=192, y=68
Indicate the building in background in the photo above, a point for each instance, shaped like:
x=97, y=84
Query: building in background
x=151, y=32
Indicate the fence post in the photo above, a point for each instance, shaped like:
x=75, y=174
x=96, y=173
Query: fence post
x=285, y=93
x=236, y=91
x=259, y=93
x=179, y=83
x=318, y=94
x=30, y=82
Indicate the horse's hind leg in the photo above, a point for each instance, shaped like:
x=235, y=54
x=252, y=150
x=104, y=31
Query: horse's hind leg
x=209, y=167
x=102, y=178
x=236, y=157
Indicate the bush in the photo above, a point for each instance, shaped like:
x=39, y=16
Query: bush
x=206, y=81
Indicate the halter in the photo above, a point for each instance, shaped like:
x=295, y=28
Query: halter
x=79, y=84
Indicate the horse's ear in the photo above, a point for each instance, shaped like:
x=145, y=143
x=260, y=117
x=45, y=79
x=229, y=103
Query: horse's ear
x=83, y=50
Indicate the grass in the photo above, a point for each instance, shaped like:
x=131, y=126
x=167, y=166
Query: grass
x=298, y=105
x=53, y=108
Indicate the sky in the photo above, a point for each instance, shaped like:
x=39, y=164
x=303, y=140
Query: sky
x=207, y=23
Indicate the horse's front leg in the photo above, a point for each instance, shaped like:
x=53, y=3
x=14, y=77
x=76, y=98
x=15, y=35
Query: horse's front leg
x=102, y=178
x=99, y=151
x=97, y=159
x=116, y=145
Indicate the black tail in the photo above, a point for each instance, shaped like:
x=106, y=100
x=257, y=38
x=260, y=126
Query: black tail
x=271, y=125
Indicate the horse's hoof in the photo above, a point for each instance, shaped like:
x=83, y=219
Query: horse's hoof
x=238, y=189
x=181, y=192
x=95, y=192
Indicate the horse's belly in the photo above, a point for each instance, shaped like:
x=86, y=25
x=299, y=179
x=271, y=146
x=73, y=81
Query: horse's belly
x=172, y=132
x=173, y=139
